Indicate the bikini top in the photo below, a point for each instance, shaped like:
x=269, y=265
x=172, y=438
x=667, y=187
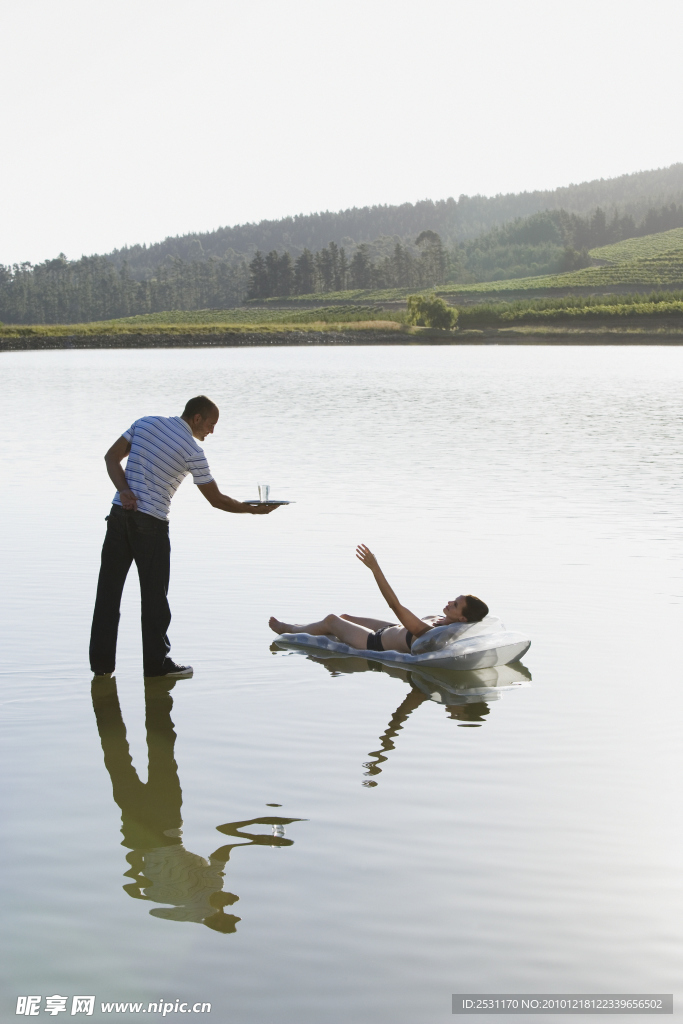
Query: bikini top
x=410, y=637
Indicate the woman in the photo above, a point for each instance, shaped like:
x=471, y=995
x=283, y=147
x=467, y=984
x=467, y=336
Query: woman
x=377, y=635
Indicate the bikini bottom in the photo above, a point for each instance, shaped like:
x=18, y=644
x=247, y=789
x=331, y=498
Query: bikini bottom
x=375, y=640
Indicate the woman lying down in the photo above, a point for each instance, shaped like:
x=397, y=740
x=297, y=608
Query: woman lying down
x=376, y=635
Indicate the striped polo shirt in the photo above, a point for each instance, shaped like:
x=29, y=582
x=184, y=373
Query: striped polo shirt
x=162, y=453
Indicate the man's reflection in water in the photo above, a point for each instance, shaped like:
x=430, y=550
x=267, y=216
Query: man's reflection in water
x=162, y=870
x=441, y=685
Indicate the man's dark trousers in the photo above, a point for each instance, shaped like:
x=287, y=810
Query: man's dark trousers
x=133, y=536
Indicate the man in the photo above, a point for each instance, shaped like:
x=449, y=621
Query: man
x=161, y=452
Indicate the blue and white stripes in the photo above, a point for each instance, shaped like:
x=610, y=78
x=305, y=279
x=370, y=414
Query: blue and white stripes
x=163, y=452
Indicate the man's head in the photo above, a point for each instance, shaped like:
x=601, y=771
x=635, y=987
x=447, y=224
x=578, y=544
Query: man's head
x=466, y=608
x=201, y=415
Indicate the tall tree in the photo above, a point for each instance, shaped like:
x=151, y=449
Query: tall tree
x=342, y=281
x=325, y=266
x=285, y=274
x=433, y=257
x=304, y=273
x=272, y=268
x=335, y=282
x=258, y=286
x=360, y=270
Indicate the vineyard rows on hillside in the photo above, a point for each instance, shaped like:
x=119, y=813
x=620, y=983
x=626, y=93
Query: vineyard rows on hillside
x=253, y=315
x=504, y=314
x=664, y=242
x=664, y=271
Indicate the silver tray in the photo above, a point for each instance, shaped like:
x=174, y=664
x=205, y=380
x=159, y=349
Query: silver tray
x=271, y=501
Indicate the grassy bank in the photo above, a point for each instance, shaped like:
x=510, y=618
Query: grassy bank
x=205, y=339
x=217, y=321
x=593, y=334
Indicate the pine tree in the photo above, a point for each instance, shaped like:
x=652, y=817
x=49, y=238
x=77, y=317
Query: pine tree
x=433, y=257
x=304, y=273
x=335, y=283
x=325, y=266
x=272, y=266
x=258, y=285
x=285, y=275
x=341, y=283
x=598, y=228
x=360, y=270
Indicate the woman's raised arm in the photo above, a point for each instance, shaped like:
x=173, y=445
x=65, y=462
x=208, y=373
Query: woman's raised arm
x=404, y=615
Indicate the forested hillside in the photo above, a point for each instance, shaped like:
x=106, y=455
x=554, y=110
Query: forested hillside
x=411, y=246
x=544, y=243
x=454, y=220
x=556, y=241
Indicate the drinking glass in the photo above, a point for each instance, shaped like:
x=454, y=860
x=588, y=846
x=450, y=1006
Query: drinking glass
x=263, y=492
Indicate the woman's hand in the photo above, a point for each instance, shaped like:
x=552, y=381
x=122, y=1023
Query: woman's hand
x=366, y=556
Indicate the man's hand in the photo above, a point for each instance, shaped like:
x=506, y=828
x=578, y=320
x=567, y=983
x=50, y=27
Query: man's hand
x=228, y=504
x=128, y=500
x=262, y=510
x=366, y=556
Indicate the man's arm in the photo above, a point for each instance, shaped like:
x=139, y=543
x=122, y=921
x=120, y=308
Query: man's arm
x=113, y=459
x=407, y=618
x=226, y=504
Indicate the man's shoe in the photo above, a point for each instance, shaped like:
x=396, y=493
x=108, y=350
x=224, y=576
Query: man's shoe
x=102, y=675
x=172, y=671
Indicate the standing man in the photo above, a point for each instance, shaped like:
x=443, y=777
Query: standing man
x=161, y=452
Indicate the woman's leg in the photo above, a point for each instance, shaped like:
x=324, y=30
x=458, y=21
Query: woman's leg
x=348, y=632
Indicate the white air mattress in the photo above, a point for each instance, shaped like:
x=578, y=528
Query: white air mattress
x=461, y=646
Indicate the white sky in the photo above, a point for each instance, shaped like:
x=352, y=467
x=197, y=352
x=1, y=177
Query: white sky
x=130, y=121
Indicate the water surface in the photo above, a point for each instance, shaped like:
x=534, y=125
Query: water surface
x=318, y=841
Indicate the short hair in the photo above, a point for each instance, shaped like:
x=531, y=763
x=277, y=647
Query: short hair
x=475, y=609
x=202, y=405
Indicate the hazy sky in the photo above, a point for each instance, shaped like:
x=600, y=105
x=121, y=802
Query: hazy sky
x=126, y=122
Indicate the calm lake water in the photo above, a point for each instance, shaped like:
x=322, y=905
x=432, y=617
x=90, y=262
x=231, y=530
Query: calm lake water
x=524, y=840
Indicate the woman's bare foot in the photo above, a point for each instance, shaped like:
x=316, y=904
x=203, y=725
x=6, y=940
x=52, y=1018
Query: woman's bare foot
x=281, y=627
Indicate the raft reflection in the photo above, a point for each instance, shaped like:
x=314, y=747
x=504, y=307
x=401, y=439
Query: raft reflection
x=461, y=694
x=163, y=871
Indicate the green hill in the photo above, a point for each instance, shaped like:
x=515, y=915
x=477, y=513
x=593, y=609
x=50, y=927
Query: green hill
x=661, y=243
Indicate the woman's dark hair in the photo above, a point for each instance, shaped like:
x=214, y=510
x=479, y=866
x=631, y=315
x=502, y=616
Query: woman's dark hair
x=475, y=609
x=468, y=712
x=202, y=405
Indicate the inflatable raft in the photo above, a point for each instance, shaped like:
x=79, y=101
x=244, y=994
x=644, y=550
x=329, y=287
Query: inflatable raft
x=462, y=646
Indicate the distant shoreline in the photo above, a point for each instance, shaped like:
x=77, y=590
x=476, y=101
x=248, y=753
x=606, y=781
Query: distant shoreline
x=279, y=339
